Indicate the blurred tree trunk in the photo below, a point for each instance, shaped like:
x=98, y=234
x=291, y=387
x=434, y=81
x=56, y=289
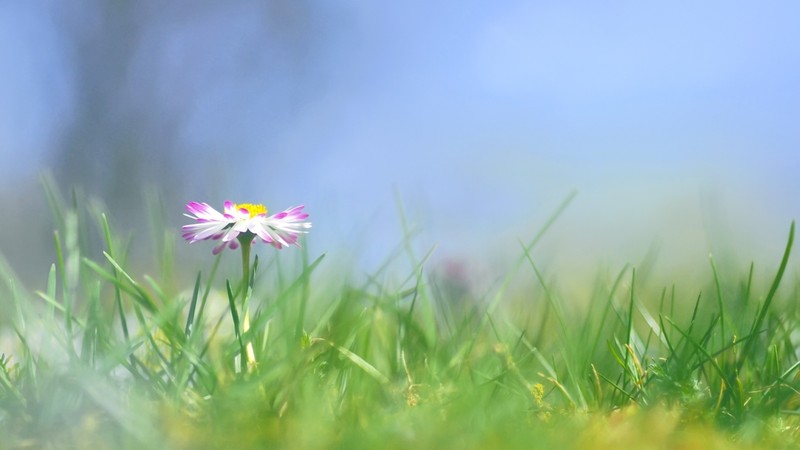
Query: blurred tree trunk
x=108, y=148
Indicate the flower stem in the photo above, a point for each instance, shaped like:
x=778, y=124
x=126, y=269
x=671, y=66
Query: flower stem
x=245, y=240
x=245, y=243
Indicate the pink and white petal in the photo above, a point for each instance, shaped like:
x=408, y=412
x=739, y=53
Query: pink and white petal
x=298, y=213
x=280, y=240
x=197, y=227
x=266, y=233
x=230, y=235
x=234, y=213
x=219, y=248
x=199, y=231
x=199, y=209
x=263, y=233
x=284, y=238
x=203, y=211
x=241, y=226
x=290, y=220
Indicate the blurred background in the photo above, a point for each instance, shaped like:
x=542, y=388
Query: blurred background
x=675, y=122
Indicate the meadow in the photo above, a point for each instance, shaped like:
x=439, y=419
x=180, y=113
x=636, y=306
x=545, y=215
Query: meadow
x=179, y=354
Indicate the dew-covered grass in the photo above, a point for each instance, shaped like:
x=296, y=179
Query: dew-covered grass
x=115, y=354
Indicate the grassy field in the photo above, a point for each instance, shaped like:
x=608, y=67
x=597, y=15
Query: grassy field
x=178, y=357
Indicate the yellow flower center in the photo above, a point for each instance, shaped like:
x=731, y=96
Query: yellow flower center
x=252, y=208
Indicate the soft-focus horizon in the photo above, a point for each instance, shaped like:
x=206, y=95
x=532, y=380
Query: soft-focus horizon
x=673, y=122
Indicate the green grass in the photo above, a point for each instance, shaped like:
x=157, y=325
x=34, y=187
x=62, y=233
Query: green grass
x=107, y=356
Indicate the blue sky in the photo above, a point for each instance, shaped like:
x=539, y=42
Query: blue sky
x=482, y=116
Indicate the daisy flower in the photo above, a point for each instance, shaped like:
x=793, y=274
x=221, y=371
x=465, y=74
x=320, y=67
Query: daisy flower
x=243, y=222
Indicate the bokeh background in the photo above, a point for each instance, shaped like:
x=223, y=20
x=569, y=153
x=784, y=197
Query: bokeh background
x=676, y=122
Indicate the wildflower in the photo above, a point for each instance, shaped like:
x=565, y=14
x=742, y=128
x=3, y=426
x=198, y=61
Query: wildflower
x=242, y=223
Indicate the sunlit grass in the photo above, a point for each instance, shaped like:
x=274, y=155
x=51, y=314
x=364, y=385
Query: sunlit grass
x=105, y=356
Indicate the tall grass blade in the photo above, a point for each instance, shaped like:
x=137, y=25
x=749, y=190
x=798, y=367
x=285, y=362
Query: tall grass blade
x=360, y=362
x=236, y=325
x=762, y=312
x=190, y=317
